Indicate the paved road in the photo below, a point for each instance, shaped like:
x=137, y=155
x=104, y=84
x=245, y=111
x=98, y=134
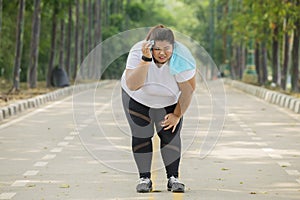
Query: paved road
x=78, y=148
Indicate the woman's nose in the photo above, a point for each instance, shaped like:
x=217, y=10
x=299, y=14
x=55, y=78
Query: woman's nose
x=162, y=52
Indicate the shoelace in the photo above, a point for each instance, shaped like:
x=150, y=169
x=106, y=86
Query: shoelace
x=174, y=180
x=144, y=180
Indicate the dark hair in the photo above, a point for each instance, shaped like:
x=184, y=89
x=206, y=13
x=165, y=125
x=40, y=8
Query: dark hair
x=160, y=32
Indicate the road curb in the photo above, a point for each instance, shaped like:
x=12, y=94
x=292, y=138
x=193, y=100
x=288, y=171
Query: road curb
x=35, y=102
x=282, y=100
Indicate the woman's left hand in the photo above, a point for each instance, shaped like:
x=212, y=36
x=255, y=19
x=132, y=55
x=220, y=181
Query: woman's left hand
x=171, y=120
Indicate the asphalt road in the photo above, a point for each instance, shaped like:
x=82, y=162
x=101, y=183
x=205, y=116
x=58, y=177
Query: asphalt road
x=235, y=146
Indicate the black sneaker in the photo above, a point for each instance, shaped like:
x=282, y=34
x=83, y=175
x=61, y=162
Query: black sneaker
x=145, y=185
x=174, y=185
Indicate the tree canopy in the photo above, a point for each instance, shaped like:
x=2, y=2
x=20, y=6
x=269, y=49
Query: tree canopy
x=60, y=33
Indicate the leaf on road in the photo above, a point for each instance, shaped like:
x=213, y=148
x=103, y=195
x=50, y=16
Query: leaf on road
x=31, y=185
x=64, y=186
x=224, y=169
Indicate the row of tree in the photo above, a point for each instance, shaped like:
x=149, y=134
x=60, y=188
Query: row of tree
x=270, y=29
x=38, y=35
x=233, y=30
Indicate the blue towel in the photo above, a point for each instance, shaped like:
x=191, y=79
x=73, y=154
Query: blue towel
x=181, y=60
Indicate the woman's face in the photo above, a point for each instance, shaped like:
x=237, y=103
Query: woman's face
x=162, y=51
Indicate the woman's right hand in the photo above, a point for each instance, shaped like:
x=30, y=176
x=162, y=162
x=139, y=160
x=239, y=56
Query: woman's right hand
x=146, y=49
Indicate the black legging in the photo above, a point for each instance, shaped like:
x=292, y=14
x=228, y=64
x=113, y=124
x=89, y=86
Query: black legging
x=141, y=120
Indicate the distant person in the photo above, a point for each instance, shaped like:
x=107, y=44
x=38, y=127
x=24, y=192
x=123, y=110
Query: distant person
x=157, y=88
x=59, y=77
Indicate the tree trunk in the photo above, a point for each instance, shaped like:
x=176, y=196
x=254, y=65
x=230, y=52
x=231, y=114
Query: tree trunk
x=107, y=12
x=295, y=54
x=91, y=70
x=76, y=50
x=1, y=11
x=97, y=37
x=35, y=39
x=233, y=64
x=82, y=46
x=264, y=63
x=62, y=44
x=69, y=37
x=97, y=22
x=53, y=43
x=241, y=60
x=127, y=16
x=257, y=62
x=286, y=56
x=90, y=24
x=275, y=56
x=19, y=46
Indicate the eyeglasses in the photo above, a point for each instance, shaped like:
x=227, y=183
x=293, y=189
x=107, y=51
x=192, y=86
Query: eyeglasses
x=165, y=49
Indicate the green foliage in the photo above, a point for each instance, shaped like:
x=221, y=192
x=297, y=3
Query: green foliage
x=8, y=37
x=136, y=11
x=236, y=21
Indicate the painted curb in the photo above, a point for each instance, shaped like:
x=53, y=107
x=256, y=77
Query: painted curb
x=282, y=100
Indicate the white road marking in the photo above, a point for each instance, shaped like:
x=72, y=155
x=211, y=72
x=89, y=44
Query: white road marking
x=262, y=144
x=40, y=164
x=251, y=134
x=74, y=133
x=256, y=138
x=49, y=156
x=268, y=149
x=83, y=125
x=56, y=150
x=69, y=138
x=275, y=156
x=7, y=195
x=63, y=144
x=248, y=129
x=31, y=173
x=293, y=172
x=20, y=183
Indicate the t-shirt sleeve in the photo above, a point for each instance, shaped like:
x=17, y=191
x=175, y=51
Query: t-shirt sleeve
x=134, y=57
x=185, y=75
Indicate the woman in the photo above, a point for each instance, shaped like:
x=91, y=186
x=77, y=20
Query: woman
x=154, y=97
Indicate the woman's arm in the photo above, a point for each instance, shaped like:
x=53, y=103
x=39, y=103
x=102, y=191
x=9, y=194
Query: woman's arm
x=135, y=78
x=187, y=88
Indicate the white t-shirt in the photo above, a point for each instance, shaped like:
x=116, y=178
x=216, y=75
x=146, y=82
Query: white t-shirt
x=160, y=88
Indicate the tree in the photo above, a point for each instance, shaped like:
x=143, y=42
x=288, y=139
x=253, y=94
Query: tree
x=35, y=38
x=295, y=51
x=77, y=49
x=19, y=46
x=62, y=44
x=1, y=7
x=98, y=36
x=286, y=55
x=69, y=38
x=83, y=24
x=53, y=42
x=91, y=65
